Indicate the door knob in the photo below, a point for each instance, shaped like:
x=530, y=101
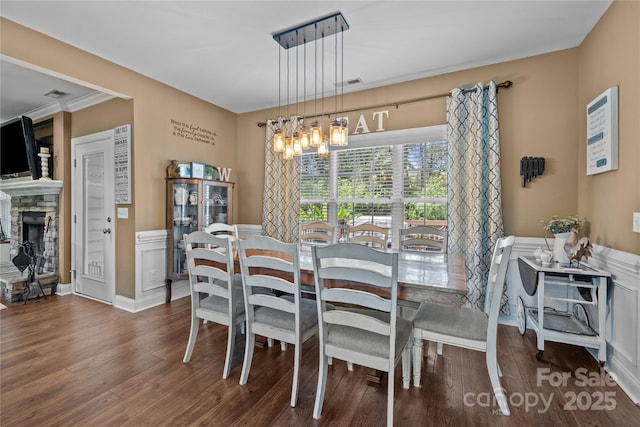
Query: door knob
x=106, y=230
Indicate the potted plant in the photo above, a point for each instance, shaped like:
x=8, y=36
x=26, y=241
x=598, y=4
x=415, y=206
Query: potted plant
x=557, y=225
x=561, y=229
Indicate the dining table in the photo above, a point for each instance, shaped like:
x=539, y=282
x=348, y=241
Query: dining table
x=423, y=276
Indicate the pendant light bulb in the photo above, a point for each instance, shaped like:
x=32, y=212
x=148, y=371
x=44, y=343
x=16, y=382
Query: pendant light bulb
x=278, y=141
x=288, y=149
x=297, y=147
x=323, y=149
x=315, y=134
x=304, y=137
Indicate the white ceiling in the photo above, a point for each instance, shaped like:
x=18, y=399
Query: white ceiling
x=223, y=51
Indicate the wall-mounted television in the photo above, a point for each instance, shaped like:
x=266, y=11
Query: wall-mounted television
x=18, y=155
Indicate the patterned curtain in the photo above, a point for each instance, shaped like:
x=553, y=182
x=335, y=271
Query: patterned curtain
x=475, y=191
x=281, y=205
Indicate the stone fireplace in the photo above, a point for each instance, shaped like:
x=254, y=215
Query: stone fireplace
x=34, y=218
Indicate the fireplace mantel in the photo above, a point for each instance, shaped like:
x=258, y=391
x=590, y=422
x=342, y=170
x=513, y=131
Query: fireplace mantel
x=30, y=187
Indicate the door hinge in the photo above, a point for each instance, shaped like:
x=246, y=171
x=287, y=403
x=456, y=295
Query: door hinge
x=74, y=273
x=74, y=163
x=74, y=219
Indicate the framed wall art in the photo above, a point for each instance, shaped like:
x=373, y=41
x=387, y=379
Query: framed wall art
x=602, y=132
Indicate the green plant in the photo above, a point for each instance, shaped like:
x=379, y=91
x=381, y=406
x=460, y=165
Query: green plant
x=557, y=225
x=344, y=214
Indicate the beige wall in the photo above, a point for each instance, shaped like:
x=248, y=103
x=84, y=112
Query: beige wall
x=537, y=118
x=610, y=56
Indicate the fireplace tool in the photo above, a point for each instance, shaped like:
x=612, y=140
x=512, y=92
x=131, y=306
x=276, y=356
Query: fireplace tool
x=3, y=237
x=27, y=259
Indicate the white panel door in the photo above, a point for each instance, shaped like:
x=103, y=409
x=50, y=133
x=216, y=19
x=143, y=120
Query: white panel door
x=93, y=209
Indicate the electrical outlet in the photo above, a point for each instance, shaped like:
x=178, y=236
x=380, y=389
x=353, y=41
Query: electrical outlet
x=636, y=222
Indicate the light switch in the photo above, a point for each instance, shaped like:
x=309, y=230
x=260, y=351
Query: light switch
x=123, y=213
x=636, y=222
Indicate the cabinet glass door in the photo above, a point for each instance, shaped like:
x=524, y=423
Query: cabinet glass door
x=185, y=220
x=216, y=199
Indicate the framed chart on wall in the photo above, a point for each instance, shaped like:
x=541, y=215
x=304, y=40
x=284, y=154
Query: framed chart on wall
x=602, y=132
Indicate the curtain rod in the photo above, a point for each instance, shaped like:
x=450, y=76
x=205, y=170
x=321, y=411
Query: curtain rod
x=505, y=84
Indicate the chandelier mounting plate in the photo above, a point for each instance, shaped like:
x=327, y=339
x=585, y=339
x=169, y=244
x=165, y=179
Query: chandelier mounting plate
x=311, y=30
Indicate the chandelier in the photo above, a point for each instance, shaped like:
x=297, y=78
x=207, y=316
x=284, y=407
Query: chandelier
x=294, y=139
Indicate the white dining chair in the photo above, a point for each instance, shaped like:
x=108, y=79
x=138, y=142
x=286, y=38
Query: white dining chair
x=423, y=238
x=363, y=327
x=467, y=327
x=211, y=272
x=317, y=232
x=221, y=229
x=368, y=234
x=267, y=263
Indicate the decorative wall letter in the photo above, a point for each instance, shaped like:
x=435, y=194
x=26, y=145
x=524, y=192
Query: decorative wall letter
x=362, y=124
x=381, y=115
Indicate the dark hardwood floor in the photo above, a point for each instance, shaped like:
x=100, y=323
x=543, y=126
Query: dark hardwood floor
x=70, y=361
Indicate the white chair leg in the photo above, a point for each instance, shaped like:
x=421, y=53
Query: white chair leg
x=390, y=390
x=330, y=360
x=231, y=340
x=322, y=382
x=269, y=342
x=248, y=356
x=193, y=335
x=406, y=366
x=498, y=391
x=283, y=346
x=296, y=374
x=350, y=366
x=417, y=361
x=439, y=348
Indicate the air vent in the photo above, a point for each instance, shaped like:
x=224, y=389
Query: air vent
x=55, y=94
x=349, y=82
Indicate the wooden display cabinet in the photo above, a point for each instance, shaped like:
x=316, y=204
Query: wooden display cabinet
x=192, y=204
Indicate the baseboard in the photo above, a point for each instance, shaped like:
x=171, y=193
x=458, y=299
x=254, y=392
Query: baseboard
x=179, y=289
x=64, y=289
x=626, y=380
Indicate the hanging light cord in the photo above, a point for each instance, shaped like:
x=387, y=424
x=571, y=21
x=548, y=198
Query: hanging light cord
x=315, y=75
x=342, y=77
x=279, y=82
x=336, y=71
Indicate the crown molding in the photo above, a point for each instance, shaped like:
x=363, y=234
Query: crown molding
x=71, y=106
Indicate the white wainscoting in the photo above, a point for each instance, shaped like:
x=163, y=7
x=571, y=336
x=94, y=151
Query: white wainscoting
x=151, y=267
x=150, y=275
x=622, y=330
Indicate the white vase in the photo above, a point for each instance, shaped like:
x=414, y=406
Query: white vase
x=558, y=248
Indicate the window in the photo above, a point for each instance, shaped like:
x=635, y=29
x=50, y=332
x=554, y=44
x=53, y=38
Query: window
x=425, y=182
x=314, y=188
x=394, y=179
